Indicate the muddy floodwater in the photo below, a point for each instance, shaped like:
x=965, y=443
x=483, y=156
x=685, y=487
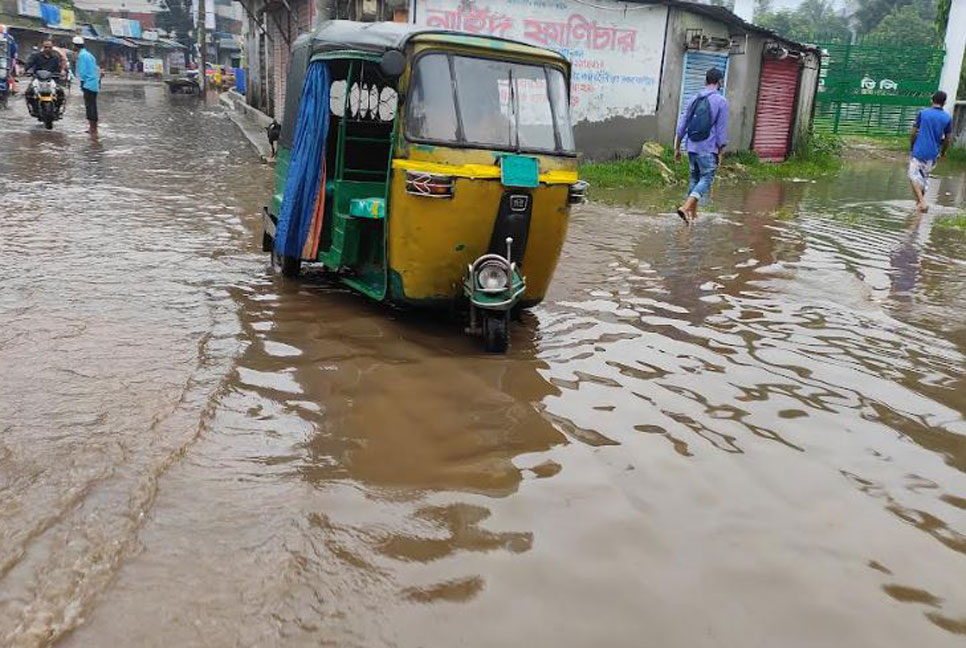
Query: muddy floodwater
x=746, y=433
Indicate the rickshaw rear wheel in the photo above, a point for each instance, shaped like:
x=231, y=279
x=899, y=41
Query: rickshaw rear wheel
x=291, y=267
x=496, y=332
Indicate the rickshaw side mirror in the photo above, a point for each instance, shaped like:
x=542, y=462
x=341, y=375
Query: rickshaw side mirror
x=393, y=64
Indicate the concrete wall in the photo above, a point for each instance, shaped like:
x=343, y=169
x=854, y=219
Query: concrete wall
x=618, y=137
x=806, y=97
x=744, y=77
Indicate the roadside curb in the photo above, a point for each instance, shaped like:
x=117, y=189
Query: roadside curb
x=250, y=121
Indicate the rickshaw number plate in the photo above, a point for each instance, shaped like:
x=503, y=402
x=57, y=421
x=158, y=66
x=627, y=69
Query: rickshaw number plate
x=520, y=171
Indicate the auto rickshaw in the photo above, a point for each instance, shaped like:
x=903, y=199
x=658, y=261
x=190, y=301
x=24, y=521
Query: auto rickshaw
x=426, y=168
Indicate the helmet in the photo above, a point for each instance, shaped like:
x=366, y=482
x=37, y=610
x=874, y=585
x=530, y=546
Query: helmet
x=78, y=40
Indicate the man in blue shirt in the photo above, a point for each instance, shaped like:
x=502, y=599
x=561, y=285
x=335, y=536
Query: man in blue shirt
x=90, y=81
x=931, y=135
x=705, y=123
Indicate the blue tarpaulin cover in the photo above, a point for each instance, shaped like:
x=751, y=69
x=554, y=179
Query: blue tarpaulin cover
x=305, y=165
x=50, y=13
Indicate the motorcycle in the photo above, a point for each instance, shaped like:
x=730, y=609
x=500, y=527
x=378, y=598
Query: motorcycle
x=48, y=97
x=187, y=84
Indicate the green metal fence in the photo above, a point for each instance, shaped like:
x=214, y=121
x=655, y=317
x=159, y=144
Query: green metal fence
x=875, y=88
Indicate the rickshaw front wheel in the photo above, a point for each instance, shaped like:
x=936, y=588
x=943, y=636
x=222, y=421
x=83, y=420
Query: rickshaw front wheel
x=496, y=331
x=289, y=266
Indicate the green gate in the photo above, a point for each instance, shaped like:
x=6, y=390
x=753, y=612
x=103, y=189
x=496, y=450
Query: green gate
x=874, y=88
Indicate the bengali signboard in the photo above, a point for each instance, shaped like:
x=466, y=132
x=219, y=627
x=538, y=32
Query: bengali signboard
x=29, y=8
x=153, y=66
x=124, y=28
x=149, y=35
x=66, y=19
x=616, y=49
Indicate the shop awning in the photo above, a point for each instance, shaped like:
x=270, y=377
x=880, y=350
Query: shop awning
x=120, y=42
x=229, y=44
x=170, y=44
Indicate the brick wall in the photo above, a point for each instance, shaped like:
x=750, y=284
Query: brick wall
x=300, y=22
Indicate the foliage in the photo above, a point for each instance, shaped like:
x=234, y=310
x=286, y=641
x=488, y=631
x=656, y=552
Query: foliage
x=942, y=15
x=623, y=173
x=815, y=155
x=811, y=18
x=957, y=222
x=178, y=20
x=905, y=25
x=814, y=146
x=870, y=13
x=893, y=21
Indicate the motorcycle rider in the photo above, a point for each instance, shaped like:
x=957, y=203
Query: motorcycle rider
x=45, y=59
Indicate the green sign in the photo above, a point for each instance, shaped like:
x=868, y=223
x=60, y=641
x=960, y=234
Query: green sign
x=870, y=88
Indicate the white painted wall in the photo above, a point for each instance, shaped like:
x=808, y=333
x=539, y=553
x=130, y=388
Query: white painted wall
x=616, y=48
x=955, y=48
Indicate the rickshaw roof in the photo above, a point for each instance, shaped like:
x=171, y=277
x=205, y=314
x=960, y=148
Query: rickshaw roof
x=380, y=37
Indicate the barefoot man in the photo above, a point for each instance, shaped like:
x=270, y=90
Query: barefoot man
x=931, y=135
x=705, y=124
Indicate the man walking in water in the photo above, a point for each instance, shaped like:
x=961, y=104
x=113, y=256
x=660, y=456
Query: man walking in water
x=705, y=124
x=90, y=82
x=931, y=135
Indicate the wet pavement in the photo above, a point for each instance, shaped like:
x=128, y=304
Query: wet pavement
x=749, y=433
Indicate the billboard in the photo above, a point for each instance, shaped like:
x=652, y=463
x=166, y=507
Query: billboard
x=29, y=8
x=122, y=27
x=616, y=48
x=153, y=66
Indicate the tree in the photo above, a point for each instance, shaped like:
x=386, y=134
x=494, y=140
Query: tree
x=763, y=8
x=870, y=13
x=729, y=4
x=906, y=25
x=812, y=18
x=178, y=20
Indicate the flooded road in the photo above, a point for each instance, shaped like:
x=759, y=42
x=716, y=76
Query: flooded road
x=747, y=433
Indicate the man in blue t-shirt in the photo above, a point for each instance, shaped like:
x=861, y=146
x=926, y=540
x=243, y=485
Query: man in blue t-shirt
x=931, y=135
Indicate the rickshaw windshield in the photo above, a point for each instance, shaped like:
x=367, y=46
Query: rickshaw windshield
x=496, y=104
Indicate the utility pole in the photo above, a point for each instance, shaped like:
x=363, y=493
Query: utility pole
x=955, y=48
x=203, y=34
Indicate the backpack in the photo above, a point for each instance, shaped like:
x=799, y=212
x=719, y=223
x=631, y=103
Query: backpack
x=699, y=121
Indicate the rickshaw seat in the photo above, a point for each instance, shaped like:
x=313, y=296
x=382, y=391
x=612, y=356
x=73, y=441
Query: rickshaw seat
x=367, y=208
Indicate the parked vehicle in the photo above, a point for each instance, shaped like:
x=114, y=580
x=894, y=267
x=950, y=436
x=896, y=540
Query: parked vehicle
x=416, y=187
x=186, y=84
x=45, y=98
x=6, y=72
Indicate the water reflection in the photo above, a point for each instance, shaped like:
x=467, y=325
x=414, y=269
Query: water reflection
x=760, y=418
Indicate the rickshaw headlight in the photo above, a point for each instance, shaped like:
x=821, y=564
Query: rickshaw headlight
x=492, y=275
x=578, y=192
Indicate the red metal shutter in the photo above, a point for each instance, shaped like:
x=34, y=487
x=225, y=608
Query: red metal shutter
x=777, y=93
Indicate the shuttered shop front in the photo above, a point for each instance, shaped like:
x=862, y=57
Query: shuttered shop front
x=775, y=114
x=696, y=66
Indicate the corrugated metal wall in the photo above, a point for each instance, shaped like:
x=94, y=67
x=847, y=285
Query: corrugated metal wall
x=775, y=113
x=696, y=65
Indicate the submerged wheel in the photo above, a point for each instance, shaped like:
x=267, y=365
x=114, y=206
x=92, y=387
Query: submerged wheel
x=496, y=332
x=291, y=267
x=49, y=123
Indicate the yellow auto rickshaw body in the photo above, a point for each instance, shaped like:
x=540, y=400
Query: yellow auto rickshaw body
x=404, y=214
